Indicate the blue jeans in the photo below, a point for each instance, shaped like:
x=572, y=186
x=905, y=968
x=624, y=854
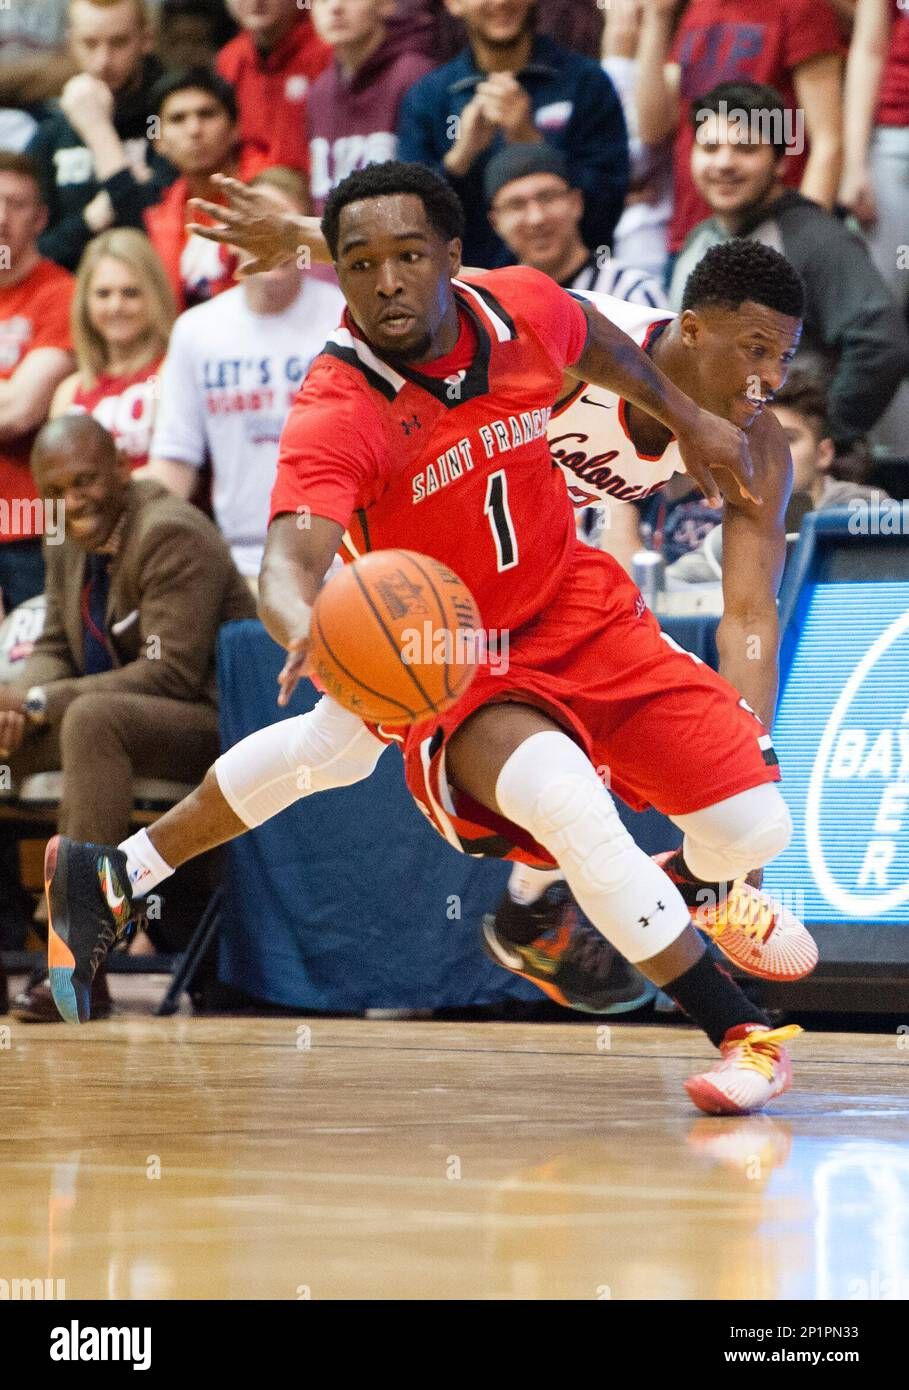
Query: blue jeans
x=21, y=572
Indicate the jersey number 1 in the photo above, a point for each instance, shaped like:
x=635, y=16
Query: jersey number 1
x=501, y=525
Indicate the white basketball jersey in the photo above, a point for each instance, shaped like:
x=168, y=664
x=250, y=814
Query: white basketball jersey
x=588, y=435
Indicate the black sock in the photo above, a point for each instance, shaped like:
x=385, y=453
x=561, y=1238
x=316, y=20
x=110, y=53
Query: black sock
x=713, y=1000
x=695, y=892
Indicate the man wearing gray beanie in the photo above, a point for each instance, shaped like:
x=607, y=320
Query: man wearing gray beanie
x=536, y=209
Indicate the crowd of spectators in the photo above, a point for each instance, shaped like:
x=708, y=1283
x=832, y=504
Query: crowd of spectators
x=608, y=146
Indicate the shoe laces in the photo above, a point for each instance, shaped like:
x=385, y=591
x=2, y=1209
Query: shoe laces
x=756, y=914
x=759, y=1051
x=107, y=936
x=116, y=939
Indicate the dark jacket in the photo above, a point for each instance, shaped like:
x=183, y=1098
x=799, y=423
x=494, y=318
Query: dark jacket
x=68, y=180
x=851, y=318
x=575, y=107
x=576, y=24
x=173, y=583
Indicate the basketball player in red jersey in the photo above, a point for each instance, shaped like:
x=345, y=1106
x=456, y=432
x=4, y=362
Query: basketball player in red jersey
x=719, y=354
x=423, y=426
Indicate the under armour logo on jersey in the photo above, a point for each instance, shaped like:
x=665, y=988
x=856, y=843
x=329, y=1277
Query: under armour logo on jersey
x=645, y=921
x=412, y=424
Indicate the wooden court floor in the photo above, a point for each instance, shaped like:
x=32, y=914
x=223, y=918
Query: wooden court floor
x=284, y=1158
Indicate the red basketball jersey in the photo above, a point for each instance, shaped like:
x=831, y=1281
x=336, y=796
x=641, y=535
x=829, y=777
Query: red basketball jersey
x=126, y=407
x=451, y=458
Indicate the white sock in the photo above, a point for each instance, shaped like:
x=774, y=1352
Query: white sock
x=144, y=865
x=528, y=885
x=549, y=787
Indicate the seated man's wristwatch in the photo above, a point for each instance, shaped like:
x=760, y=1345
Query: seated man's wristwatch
x=35, y=705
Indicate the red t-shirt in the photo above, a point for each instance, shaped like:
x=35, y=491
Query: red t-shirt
x=722, y=40
x=451, y=460
x=125, y=406
x=271, y=91
x=33, y=314
x=893, y=102
x=197, y=269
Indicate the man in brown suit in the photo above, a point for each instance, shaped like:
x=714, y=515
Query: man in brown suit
x=121, y=682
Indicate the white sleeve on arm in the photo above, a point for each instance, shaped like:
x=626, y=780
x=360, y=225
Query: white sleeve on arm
x=180, y=421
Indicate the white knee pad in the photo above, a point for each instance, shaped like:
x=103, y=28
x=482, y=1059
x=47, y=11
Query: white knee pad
x=549, y=787
x=274, y=767
x=744, y=832
x=556, y=795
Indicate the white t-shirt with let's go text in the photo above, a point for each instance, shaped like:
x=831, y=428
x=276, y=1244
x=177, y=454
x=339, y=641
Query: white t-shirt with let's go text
x=227, y=384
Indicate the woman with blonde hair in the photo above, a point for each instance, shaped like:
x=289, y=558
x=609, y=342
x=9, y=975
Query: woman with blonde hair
x=122, y=314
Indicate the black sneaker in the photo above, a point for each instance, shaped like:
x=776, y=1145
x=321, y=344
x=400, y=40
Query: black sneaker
x=89, y=910
x=568, y=959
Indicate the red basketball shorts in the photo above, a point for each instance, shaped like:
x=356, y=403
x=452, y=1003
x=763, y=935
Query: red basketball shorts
x=661, y=728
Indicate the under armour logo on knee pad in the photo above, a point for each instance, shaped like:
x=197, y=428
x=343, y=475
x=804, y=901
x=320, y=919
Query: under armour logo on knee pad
x=645, y=921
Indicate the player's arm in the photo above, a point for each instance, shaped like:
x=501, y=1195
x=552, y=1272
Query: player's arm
x=253, y=224
x=708, y=445
x=298, y=552
x=754, y=553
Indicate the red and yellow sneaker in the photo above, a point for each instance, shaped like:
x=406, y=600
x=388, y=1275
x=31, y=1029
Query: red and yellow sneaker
x=758, y=934
x=753, y=1068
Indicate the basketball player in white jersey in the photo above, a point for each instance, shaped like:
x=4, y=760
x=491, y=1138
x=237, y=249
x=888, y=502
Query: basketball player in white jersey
x=591, y=439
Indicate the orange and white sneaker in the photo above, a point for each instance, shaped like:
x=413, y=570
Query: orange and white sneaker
x=754, y=1067
x=759, y=935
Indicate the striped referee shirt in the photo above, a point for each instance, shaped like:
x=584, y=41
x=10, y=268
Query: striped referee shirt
x=618, y=278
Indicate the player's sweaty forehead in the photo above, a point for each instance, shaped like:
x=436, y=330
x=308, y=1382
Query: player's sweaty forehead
x=753, y=320
x=394, y=218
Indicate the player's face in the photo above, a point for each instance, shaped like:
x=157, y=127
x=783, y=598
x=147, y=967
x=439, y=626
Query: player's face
x=537, y=217
x=811, y=455
x=395, y=272
x=108, y=43
x=742, y=356
x=730, y=171
x=197, y=133
x=91, y=484
x=117, y=304
x=22, y=215
x=495, y=22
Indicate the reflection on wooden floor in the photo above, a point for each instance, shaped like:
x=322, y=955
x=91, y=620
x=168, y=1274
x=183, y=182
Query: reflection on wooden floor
x=277, y=1158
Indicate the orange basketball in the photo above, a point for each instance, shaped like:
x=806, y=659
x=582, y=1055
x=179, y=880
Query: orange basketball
x=395, y=637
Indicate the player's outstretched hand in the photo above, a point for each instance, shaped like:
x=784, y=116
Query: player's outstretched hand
x=711, y=446
x=253, y=224
x=295, y=668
